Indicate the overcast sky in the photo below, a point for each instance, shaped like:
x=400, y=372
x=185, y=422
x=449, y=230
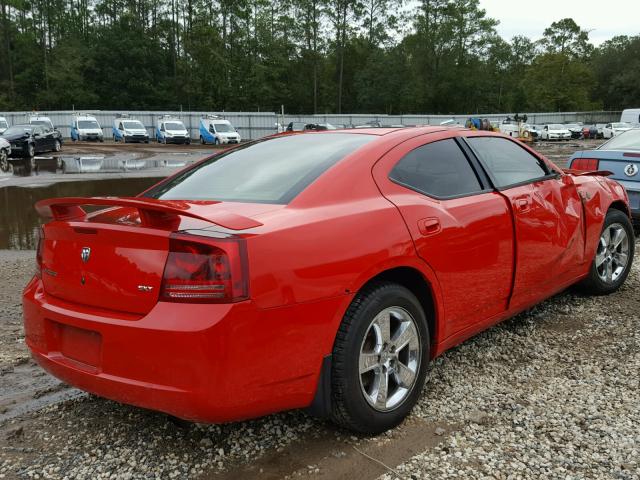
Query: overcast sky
x=604, y=19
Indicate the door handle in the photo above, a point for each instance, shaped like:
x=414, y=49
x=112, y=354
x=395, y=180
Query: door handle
x=429, y=226
x=522, y=205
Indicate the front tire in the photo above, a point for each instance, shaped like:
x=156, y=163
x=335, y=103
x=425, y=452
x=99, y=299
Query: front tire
x=57, y=146
x=4, y=161
x=379, y=360
x=613, y=256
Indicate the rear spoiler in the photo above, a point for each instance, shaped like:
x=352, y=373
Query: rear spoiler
x=592, y=173
x=153, y=213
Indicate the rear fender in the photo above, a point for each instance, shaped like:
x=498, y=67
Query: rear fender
x=415, y=263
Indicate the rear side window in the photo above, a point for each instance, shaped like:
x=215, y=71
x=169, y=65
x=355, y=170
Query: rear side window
x=507, y=162
x=273, y=170
x=439, y=169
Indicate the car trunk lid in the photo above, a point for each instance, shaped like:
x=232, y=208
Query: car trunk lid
x=114, y=259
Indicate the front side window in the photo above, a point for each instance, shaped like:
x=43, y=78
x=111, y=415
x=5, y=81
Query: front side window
x=439, y=169
x=274, y=170
x=507, y=162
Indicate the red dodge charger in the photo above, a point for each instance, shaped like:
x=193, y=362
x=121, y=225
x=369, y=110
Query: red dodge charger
x=321, y=270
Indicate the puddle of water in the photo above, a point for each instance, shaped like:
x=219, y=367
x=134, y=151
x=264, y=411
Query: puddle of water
x=19, y=221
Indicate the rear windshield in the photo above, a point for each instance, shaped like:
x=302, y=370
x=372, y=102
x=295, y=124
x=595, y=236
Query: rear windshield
x=629, y=140
x=273, y=170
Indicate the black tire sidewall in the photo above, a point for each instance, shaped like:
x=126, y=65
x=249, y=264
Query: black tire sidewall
x=614, y=216
x=364, y=417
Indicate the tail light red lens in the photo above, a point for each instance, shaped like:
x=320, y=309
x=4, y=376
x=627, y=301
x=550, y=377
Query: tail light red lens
x=39, y=250
x=585, y=164
x=205, y=270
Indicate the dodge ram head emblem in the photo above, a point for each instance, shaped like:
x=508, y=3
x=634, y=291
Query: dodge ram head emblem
x=85, y=254
x=630, y=170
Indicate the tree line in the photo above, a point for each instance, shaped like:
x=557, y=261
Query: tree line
x=311, y=56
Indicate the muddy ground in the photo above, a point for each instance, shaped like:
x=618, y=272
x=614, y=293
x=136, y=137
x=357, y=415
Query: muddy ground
x=551, y=393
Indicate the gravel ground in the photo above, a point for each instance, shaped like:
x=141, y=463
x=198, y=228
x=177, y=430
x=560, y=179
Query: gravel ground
x=552, y=393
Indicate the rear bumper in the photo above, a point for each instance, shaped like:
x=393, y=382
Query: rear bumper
x=208, y=363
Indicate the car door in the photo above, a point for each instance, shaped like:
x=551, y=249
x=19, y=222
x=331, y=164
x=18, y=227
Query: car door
x=547, y=212
x=49, y=139
x=39, y=139
x=461, y=228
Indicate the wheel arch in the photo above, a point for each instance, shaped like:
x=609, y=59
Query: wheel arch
x=620, y=205
x=423, y=284
x=414, y=281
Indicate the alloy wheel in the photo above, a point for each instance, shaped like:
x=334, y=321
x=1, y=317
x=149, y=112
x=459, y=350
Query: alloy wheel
x=389, y=359
x=612, y=255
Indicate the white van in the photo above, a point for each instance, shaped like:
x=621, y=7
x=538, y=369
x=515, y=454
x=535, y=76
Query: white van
x=126, y=130
x=171, y=130
x=36, y=119
x=86, y=127
x=631, y=115
x=3, y=125
x=215, y=130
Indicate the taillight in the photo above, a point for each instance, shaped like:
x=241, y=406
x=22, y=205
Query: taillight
x=39, y=250
x=585, y=164
x=202, y=269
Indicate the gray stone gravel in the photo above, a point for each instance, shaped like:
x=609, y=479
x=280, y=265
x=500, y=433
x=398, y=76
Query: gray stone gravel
x=553, y=393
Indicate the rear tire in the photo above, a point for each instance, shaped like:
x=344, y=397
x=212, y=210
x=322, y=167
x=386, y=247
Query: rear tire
x=613, y=257
x=365, y=358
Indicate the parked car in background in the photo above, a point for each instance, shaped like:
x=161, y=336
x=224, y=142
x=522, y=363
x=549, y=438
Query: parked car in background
x=631, y=116
x=3, y=125
x=620, y=155
x=5, y=152
x=85, y=127
x=610, y=130
x=216, y=130
x=230, y=290
x=43, y=121
x=172, y=130
x=533, y=130
x=589, y=132
x=555, y=131
x=575, y=129
x=28, y=140
x=296, y=126
x=126, y=130
x=319, y=126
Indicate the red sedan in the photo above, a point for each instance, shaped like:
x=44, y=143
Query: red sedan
x=320, y=270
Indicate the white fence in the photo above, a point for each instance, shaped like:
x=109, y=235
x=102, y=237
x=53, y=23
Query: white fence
x=252, y=125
